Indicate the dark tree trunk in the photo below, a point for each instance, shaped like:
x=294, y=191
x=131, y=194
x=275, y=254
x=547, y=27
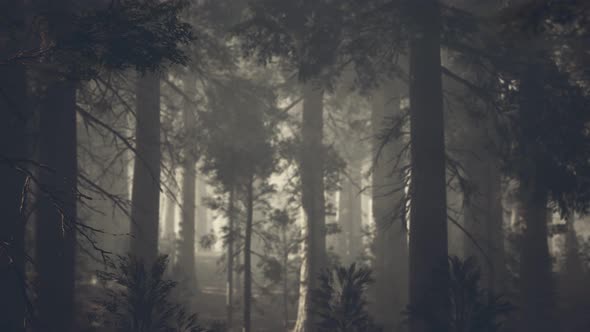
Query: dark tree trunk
x=428, y=218
x=391, y=245
x=229, y=303
x=56, y=233
x=313, y=202
x=536, y=279
x=56, y=208
x=145, y=198
x=285, y=263
x=14, y=114
x=248, y=256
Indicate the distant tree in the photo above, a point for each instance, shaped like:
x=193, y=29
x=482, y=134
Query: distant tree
x=279, y=263
x=239, y=153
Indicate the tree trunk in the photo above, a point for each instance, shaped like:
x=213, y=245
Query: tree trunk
x=56, y=235
x=15, y=113
x=168, y=233
x=248, y=256
x=428, y=217
x=350, y=215
x=285, y=263
x=186, y=249
x=203, y=227
x=313, y=202
x=186, y=254
x=145, y=198
x=229, y=303
x=391, y=246
x=56, y=209
x=537, y=288
x=538, y=300
x=483, y=216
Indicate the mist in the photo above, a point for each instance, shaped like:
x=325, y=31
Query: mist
x=296, y=166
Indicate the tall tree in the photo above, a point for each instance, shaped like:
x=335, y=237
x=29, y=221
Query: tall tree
x=313, y=202
x=389, y=211
x=186, y=249
x=428, y=217
x=13, y=150
x=145, y=197
x=56, y=210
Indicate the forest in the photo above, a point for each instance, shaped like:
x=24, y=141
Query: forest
x=294, y=165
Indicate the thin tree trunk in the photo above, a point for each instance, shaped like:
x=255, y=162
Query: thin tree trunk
x=186, y=252
x=285, y=277
x=428, y=217
x=14, y=112
x=313, y=202
x=229, y=303
x=145, y=199
x=248, y=256
x=391, y=246
x=202, y=220
x=168, y=237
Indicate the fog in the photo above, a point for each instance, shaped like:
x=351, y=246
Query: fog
x=294, y=165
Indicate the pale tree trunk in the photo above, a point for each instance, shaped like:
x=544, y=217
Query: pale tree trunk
x=229, y=303
x=186, y=248
x=167, y=243
x=203, y=227
x=14, y=113
x=390, y=246
x=145, y=197
x=56, y=212
x=350, y=215
x=428, y=217
x=186, y=254
x=313, y=202
x=248, y=255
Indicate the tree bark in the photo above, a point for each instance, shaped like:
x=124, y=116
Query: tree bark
x=203, y=227
x=391, y=245
x=428, y=217
x=313, y=202
x=229, y=303
x=536, y=279
x=186, y=249
x=248, y=255
x=13, y=146
x=186, y=254
x=56, y=209
x=350, y=215
x=145, y=198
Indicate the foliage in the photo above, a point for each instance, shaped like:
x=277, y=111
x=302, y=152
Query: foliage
x=341, y=300
x=471, y=308
x=140, y=34
x=138, y=299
